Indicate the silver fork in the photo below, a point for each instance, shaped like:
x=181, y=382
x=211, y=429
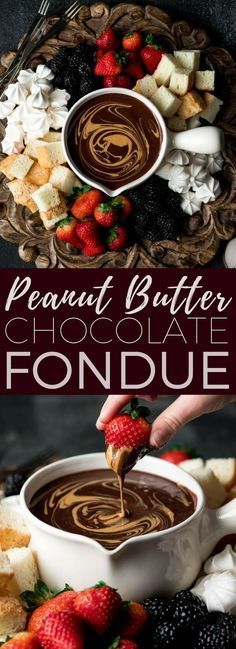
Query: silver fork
x=37, y=38
x=36, y=23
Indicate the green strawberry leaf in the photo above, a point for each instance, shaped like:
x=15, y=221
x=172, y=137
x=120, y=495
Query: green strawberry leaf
x=150, y=40
x=112, y=236
x=136, y=410
x=99, y=584
x=115, y=643
x=105, y=207
x=64, y=222
x=40, y=595
x=117, y=203
x=77, y=192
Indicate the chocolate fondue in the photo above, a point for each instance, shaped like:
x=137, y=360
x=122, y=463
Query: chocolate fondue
x=88, y=503
x=114, y=139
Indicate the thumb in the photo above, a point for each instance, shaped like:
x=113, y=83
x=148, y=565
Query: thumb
x=179, y=413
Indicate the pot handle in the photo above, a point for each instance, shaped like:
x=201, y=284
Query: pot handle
x=205, y=139
x=215, y=524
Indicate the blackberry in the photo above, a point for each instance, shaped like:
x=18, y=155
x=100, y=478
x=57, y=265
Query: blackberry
x=158, y=214
x=13, y=484
x=188, y=610
x=165, y=635
x=59, y=64
x=86, y=85
x=224, y=620
x=213, y=636
x=158, y=608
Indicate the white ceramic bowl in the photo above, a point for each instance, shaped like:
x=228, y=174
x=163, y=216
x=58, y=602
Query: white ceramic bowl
x=206, y=139
x=163, y=562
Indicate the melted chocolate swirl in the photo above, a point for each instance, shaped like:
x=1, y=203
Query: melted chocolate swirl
x=88, y=503
x=114, y=139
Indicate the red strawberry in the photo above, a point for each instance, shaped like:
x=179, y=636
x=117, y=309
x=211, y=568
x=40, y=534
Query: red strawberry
x=124, y=81
x=61, y=631
x=66, y=231
x=98, y=607
x=129, y=428
x=105, y=214
x=134, y=66
x=91, y=251
x=62, y=602
x=135, y=621
x=124, y=207
x=132, y=42
x=117, y=237
x=86, y=203
x=176, y=455
x=88, y=231
x=119, y=643
x=151, y=54
x=108, y=40
x=108, y=65
x=23, y=640
x=98, y=54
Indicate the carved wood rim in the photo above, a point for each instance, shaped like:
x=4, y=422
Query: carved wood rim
x=204, y=230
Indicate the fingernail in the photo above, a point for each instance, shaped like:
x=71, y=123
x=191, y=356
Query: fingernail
x=100, y=424
x=158, y=438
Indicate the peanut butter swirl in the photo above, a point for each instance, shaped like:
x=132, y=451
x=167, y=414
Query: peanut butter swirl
x=114, y=139
x=87, y=503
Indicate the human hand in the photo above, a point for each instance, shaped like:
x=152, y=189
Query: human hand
x=182, y=410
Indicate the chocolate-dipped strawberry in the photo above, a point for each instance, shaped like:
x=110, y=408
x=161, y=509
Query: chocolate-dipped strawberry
x=127, y=441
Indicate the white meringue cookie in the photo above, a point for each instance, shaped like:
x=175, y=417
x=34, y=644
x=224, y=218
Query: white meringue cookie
x=57, y=116
x=16, y=93
x=214, y=163
x=197, y=175
x=37, y=124
x=14, y=133
x=179, y=180
x=6, y=108
x=177, y=157
x=230, y=261
x=43, y=72
x=9, y=146
x=225, y=560
x=218, y=591
x=209, y=191
x=59, y=98
x=165, y=171
x=26, y=78
x=17, y=115
x=190, y=204
x=38, y=98
x=43, y=85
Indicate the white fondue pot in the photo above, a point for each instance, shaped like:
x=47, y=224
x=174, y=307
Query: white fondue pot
x=204, y=139
x=163, y=562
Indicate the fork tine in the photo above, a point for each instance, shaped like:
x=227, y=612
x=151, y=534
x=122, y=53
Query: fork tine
x=43, y=7
x=71, y=9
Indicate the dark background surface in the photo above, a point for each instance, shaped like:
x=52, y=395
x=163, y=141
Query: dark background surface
x=28, y=425
x=217, y=16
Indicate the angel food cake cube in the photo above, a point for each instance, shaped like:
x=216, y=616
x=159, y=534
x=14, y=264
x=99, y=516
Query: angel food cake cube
x=166, y=101
x=50, y=154
x=20, y=166
x=146, y=86
x=22, y=193
x=46, y=197
x=181, y=81
x=212, y=108
x=205, y=80
x=192, y=104
x=164, y=70
x=188, y=59
x=64, y=179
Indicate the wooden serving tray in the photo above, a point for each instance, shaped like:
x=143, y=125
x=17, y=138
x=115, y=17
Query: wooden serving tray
x=204, y=230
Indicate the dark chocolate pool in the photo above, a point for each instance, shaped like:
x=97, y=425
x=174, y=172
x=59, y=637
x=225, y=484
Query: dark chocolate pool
x=88, y=503
x=114, y=139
